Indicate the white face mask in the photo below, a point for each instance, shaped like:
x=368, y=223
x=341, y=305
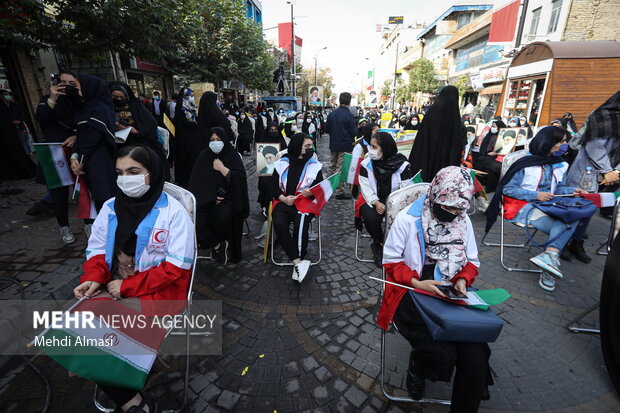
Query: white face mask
x=216, y=146
x=242, y=117
x=308, y=120
x=414, y=122
x=191, y=99
x=374, y=154
x=134, y=186
x=493, y=130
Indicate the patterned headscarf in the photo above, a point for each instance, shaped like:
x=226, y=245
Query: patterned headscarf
x=446, y=241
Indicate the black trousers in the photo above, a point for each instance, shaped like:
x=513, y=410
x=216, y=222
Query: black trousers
x=372, y=221
x=120, y=396
x=217, y=224
x=435, y=360
x=282, y=216
x=60, y=205
x=493, y=168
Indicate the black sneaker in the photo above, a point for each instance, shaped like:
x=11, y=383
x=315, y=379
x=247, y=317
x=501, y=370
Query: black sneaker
x=377, y=254
x=38, y=208
x=221, y=254
x=576, y=248
x=153, y=407
x=415, y=386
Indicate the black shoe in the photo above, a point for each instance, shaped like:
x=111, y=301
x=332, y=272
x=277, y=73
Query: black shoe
x=415, y=386
x=485, y=393
x=377, y=254
x=343, y=196
x=576, y=248
x=221, y=254
x=565, y=255
x=38, y=208
x=153, y=407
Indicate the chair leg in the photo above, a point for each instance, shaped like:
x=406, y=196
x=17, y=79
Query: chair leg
x=248, y=231
x=501, y=255
x=357, y=241
x=571, y=326
x=98, y=404
x=284, y=264
x=600, y=247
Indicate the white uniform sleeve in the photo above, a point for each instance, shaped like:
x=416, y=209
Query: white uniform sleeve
x=395, y=244
x=472, y=247
x=181, y=243
x=367, y=192
x=99, y=234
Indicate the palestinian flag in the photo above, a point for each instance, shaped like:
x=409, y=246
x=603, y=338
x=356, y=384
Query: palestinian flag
x=602, y=199
x=107, y=351
x=322, y=192
x=54, y=164
x=81, y=194
x=351, y=169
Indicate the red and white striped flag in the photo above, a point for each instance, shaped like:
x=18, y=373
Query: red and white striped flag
x=322, y=192
x=86, y=205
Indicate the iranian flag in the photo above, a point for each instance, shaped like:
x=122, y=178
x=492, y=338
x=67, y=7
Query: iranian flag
x=602, y=199
x=417, y=178
x=322, y=192
x=86, y=205
x=351, y=169
x=54, y=164
x=117, y=348
x=478, y=188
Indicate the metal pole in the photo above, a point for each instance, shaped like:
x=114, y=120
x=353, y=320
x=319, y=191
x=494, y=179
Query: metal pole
x=521, y=24
x=315, y=78
x=395, y=70
x=293, y=70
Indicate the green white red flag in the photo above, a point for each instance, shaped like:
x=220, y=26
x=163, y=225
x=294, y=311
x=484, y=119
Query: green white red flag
x=322, y=192
x=351, y=169
x=54, y=164
x=86, y=205
x=602, y=199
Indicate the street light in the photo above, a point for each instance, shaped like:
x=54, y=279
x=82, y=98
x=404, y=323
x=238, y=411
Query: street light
x=315, y=69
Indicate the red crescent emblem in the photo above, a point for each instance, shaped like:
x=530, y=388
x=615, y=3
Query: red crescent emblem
x=157, y=234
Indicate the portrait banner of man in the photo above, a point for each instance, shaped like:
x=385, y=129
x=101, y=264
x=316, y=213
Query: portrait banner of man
x=522, y=137
x=506, y=141
x=266, y=158
x=315, y=96
x=371, y=98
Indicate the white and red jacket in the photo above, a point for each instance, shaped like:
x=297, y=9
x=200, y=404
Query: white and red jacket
x=164, y=251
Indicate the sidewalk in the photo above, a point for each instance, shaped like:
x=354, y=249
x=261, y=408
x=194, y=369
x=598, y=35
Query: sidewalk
x=315, y=347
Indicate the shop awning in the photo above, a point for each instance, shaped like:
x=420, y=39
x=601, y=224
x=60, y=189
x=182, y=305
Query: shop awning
x=492, y=90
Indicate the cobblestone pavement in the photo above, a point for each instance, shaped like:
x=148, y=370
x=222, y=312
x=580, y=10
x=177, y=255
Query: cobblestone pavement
x=315, y=347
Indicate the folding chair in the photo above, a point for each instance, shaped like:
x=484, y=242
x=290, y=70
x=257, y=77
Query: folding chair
x=613, y=232
x=506, y=163
x=396, y=202
x=290, y=263
x=188, y=201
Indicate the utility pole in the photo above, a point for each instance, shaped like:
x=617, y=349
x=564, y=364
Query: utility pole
x=293, y=69
x=395, y=72
x=315, y=66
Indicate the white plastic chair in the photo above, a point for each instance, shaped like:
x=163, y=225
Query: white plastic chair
x=188, y=201
x=506, y=163
x=396, y=202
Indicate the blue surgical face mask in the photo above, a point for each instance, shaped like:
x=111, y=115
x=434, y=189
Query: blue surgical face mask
x=561, y=151
x=216, y=146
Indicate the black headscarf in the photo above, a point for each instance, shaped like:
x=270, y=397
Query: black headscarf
x=131, y=211
x=367, y=135
x=388, y=164
x=306, y=126
x=441, y=137
x=210, y=116
x=296, y=165
x=97, y=109
x=609, y=314
x=604, y=121
x=539, y=148
x=410, y=126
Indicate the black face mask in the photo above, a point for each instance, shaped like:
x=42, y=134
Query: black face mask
x=119, y=103
x=443, y=215
x=274, y=135
x=308, y=154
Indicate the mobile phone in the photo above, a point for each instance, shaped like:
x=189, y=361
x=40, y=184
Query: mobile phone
x=451, y=292
x=55, y=79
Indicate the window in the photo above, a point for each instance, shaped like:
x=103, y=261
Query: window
x=534, y=22
x=556, y=8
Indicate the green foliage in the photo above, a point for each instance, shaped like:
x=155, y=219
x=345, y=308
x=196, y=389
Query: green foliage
x=422, y=77
x=461, y=84
x=199, y=39
x=324, y=78
x=402, y=92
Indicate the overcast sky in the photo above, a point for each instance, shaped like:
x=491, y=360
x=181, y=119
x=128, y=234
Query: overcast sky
x=347, y=28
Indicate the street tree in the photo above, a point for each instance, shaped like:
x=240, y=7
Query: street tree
x=422, y=77
x=324, y=78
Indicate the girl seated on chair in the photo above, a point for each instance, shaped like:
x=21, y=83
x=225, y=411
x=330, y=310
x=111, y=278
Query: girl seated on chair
x=432, y=242
x=384, y=171
x=539, y=176
x=294, y=173
x=360, y=149
x=220, y=185
x=486, y=158
x=161, y=270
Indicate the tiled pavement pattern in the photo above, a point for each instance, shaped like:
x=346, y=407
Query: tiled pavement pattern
x=315, y=347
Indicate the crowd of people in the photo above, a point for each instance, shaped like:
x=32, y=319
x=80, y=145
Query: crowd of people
x=430, y=243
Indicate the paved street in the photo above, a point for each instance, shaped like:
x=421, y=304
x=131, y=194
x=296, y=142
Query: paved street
x=315, y=347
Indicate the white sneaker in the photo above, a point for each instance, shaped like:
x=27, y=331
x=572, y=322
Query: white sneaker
x=303, y=267
x=66, y=235
x=482, y=204
x=88, y=229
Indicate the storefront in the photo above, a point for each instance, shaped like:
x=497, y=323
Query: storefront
x=547, y=79
x=146, y=77
x=492, y=80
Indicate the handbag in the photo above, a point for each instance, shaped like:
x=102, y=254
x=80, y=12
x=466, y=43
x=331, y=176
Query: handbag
x=453, y=322
x=565, y=209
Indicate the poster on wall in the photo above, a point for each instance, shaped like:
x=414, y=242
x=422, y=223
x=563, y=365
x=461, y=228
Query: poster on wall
x=266, y=158
x=315, y=96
